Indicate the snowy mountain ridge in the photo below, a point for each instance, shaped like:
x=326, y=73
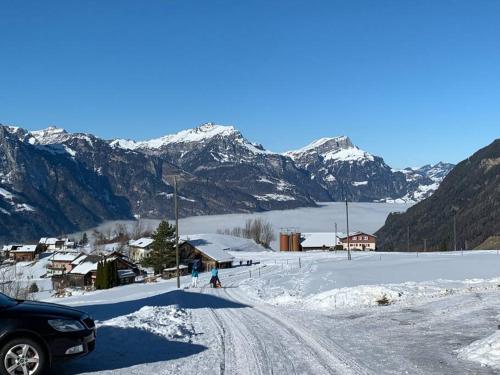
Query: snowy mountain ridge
x=53, y=135
x=200, y=134
x=336, y=148
x=221, y=172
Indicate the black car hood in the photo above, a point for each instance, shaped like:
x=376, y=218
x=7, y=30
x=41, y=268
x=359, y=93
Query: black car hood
x=49, y=309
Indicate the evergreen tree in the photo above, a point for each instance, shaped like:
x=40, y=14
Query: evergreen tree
x=162, y=254
x=105, y=275
x=34, y=288
x=98, y=278
x=443, y=246
x=112, y=274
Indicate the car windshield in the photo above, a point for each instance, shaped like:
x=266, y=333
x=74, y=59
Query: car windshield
x=6, y=301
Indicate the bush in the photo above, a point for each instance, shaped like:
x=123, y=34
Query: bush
x=384, y=301
x=33, y=288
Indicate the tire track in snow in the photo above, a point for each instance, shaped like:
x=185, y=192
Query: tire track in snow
x=336, y=361
x=238, y=349
x=222, y=338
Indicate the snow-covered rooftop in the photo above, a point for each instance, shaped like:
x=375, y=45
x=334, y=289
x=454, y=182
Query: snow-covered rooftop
x=78, y=259
x=354, y=234
x=142, y=242
x=85, y=267
x=218, y=246
x=320, y=239
x=65, y=256
x=52, y=240
x=126, y=273
x=10, y=247
x=25, y=249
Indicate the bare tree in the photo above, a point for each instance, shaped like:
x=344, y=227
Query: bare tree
x=258, y=230
x=267, y=235
x=107, y=232
x=137, y=229
x=11, y=283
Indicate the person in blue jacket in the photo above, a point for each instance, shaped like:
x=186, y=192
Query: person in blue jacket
x=194, y=276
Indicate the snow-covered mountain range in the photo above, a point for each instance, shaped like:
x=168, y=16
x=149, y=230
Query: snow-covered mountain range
x=80, y=180
x=345, y=170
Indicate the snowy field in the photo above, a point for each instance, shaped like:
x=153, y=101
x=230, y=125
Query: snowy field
x=306, y=313
x=367, y=217
x=27, y=273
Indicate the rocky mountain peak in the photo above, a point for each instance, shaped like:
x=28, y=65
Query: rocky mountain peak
x=50, y=135
x=332, y=149
x=322, y=146
x=201, y=133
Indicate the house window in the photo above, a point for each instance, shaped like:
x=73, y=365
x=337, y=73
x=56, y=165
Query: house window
x=365, y=238
x=355, y=238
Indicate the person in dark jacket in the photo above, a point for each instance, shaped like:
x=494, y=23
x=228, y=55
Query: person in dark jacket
x=214, y=280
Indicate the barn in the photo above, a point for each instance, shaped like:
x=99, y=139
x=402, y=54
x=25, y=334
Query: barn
x=210, y=250
x=320, y=240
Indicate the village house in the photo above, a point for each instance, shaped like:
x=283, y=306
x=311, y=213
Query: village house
x=139, y=249
x=6, y=249
x=127, y=270
x=24, y=253
x=63, y=262
x=360, y=241
x=54, y=244
x=210, y=250
x=84, y=273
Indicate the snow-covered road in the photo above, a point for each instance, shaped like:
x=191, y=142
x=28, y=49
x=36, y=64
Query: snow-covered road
x=259, y=339
x=283, y=319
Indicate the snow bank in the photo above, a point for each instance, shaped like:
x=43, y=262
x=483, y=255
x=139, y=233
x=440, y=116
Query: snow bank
x=485, y=351
x=367, y=295
x=166, y=321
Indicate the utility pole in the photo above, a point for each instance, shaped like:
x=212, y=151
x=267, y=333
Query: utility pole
x=348, y=239
x=408, y=238
x=177, y=233
x=335, y=239
x=455, y=230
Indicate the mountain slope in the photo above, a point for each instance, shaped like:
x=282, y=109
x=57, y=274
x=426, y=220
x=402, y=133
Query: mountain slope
x=216, y=153
x=45, y=190
x=345, y=170
x=471, y=189
x=145, y=179
x=54, y=181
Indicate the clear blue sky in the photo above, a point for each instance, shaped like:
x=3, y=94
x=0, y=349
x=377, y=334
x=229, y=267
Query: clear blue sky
x=413, y=81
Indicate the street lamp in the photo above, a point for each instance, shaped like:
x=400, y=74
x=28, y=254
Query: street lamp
x=177, y=260
x=347, y=220
x=176, y=212
x=455, y=230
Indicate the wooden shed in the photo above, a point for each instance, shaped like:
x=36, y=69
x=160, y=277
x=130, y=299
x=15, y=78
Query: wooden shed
x=207, y=250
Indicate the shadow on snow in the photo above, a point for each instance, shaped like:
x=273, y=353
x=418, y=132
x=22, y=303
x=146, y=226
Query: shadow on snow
x=119, y=348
